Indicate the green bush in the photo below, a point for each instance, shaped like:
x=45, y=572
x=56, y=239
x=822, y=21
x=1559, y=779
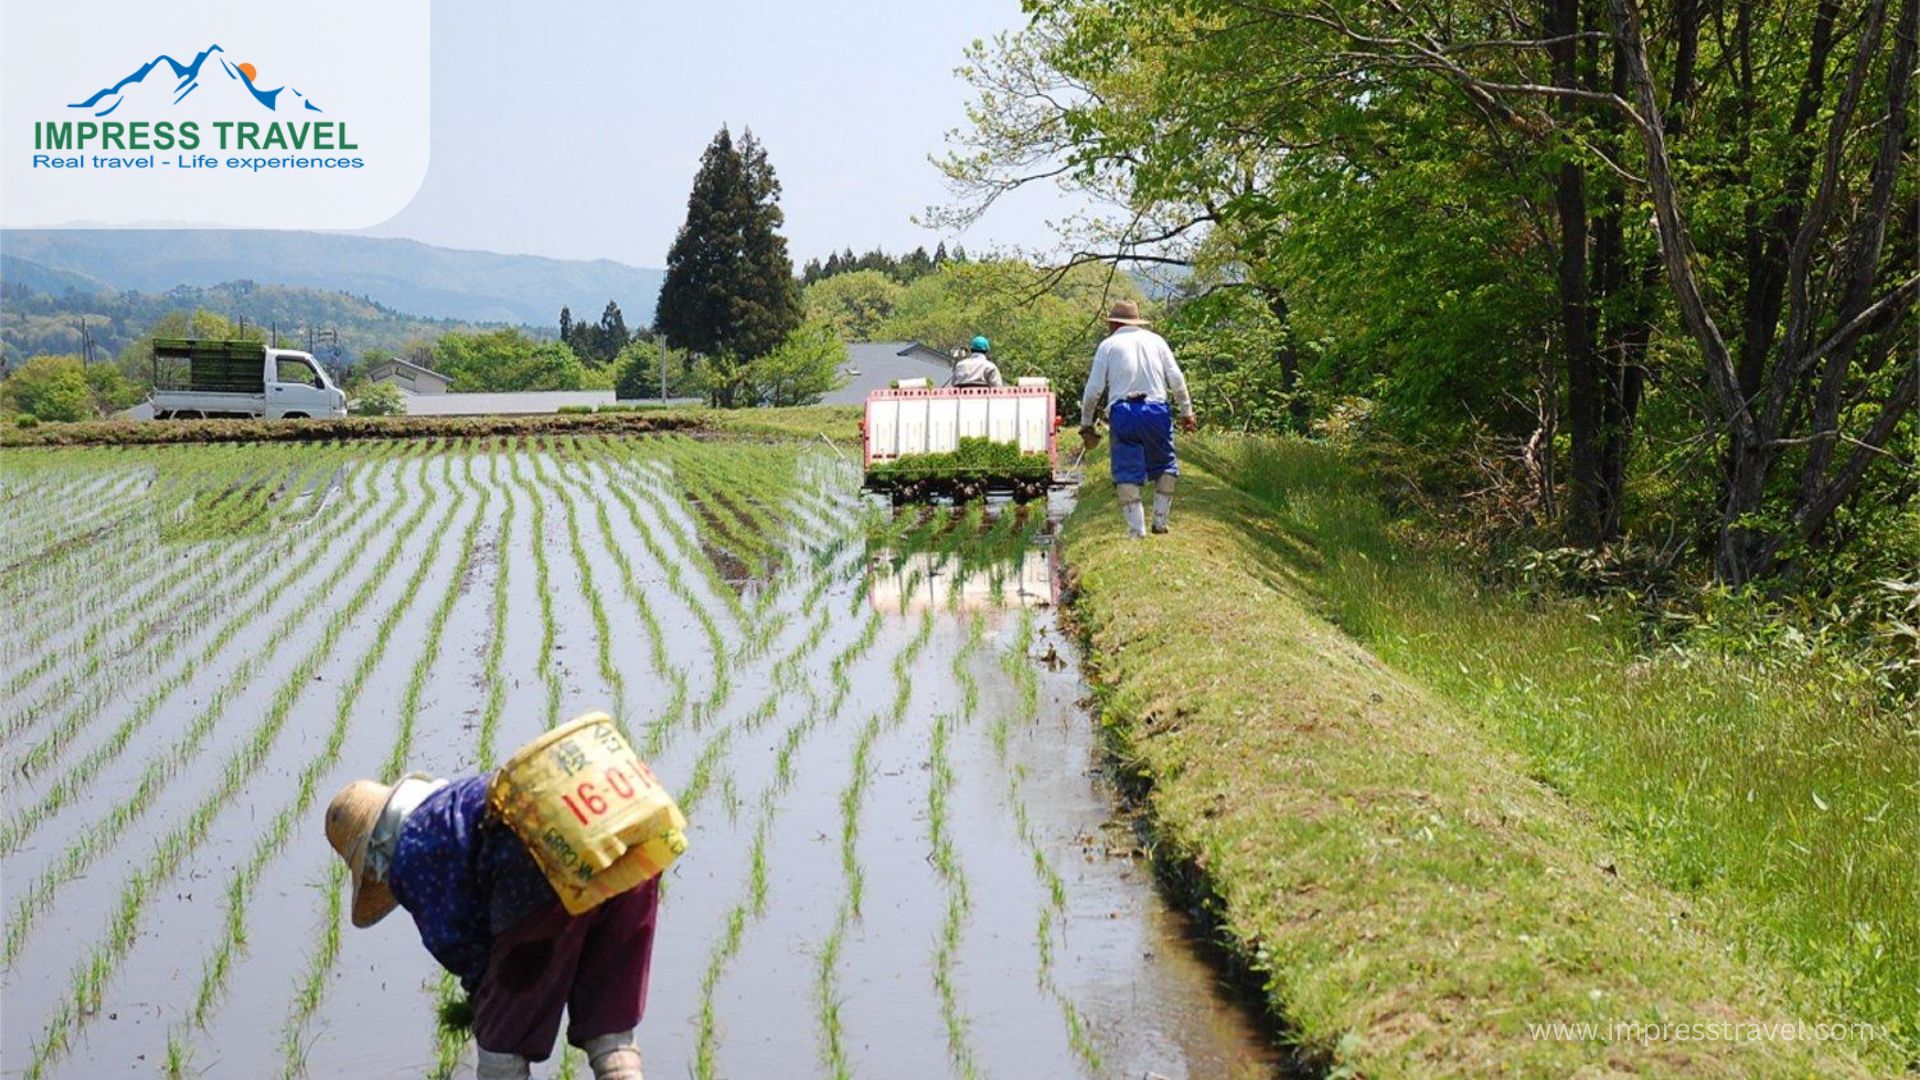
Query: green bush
x=378, y=399
x=50, y=388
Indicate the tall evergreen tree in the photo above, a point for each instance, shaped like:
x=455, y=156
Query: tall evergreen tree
x=730, y=293
x=566, y=323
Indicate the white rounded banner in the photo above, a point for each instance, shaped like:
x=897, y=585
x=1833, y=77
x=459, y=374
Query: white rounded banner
x=212, y=113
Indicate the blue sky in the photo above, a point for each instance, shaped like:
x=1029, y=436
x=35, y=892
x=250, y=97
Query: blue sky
x=573, y=129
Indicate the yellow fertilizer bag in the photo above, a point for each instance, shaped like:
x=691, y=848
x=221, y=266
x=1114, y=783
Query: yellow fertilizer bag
x=592, y=813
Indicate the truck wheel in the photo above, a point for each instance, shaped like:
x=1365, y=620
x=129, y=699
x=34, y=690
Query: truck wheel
x=293, y=416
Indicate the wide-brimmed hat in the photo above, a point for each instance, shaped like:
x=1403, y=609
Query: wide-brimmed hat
x=350, y=821
x=1126, y=313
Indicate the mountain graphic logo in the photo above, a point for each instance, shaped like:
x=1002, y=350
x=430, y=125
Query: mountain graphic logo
x=164, y=80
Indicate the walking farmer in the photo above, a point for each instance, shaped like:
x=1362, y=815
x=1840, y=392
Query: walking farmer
x=1135, y=371
x=487, y=913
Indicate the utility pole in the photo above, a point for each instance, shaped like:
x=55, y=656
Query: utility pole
x=663, y=369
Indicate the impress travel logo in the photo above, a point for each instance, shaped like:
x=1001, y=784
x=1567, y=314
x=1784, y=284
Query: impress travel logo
x=278, y=123
x=163, y=85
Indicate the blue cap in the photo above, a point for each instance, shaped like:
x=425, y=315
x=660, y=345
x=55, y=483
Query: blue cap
x=980, y=344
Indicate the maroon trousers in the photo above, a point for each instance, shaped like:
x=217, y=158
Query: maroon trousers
x=592, y=965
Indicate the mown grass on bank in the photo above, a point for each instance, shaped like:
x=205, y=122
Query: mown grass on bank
x=1779, y=789
x=1375, y=839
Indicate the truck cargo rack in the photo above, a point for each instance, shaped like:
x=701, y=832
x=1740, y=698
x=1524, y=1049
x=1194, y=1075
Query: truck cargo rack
x=232, y=367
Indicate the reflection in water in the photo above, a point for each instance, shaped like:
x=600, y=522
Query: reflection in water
x=944, y=581
x=968, y=560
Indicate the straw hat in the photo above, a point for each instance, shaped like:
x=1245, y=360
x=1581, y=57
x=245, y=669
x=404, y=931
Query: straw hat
x=1126, y=313
x=350, y=821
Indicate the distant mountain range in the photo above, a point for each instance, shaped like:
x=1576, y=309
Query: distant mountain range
x=53, y=312
x=402, y=275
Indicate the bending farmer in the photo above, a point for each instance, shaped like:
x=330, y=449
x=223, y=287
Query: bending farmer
x=1135, y=370
x=976, y=369
x=487, y=913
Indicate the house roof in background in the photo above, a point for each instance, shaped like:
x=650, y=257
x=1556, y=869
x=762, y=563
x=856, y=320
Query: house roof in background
x=881, y=363
x=396, y=362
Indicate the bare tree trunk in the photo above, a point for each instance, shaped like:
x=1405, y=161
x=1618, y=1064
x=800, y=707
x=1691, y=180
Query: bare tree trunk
x=1287, y=354
x=1586, y=518
x=1759, y=401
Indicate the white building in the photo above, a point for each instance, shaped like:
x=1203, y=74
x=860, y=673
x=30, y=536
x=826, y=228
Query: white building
x=409, y=377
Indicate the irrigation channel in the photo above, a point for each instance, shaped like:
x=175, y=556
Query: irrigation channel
x=904, y=861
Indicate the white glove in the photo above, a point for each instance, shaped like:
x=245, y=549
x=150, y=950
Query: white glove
x=614, y=1057
x=496, y=1066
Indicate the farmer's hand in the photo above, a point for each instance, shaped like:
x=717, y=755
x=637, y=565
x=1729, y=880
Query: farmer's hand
x=1089, y=436
x=1189, y=422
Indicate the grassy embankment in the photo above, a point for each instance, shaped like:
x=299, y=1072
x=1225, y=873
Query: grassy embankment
x=1487, y=812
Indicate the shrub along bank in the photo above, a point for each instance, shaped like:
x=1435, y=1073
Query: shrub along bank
x=1384, y=852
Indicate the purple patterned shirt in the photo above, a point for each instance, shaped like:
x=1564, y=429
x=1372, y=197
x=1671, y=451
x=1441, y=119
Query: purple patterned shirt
x=464, y=877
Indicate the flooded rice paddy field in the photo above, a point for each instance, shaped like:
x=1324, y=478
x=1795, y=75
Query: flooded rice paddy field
x=904, y=859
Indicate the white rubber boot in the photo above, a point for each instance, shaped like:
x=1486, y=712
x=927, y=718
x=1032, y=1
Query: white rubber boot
x=614, y=1057
x=1131, y=512
x=1162, y=501
x=495, y=1066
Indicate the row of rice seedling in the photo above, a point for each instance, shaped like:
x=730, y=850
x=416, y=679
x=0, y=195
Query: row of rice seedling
x=542, y=577
x=1017, y=662
x=320, y=962
x=191, y=831
x=90, y=842
x=243, y=615
x=131, y=573
x=87, y=578
x=832, y=1034
x=48, y=644
x=49, y=521
x=786, y=674
x=716, y=490
x=713, y=490
x=186, y=599
x=66, y=506
x=946, y=861
x=240, y=885
x=452, y=1038
x=714, y=532
x=616, y=474
x=752, y=905
x=596, y=607
x=763, y=489
x=121, y=526
x=675, y=708
x=240, y=612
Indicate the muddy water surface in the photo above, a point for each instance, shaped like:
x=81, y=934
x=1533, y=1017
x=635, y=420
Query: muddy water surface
x=906, y=859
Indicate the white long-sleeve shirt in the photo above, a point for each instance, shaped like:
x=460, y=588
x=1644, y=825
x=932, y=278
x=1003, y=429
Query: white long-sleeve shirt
x=1134, y=361
x=975, y=370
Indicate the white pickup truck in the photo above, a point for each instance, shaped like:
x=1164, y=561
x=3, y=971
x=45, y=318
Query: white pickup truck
x=193, y=380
